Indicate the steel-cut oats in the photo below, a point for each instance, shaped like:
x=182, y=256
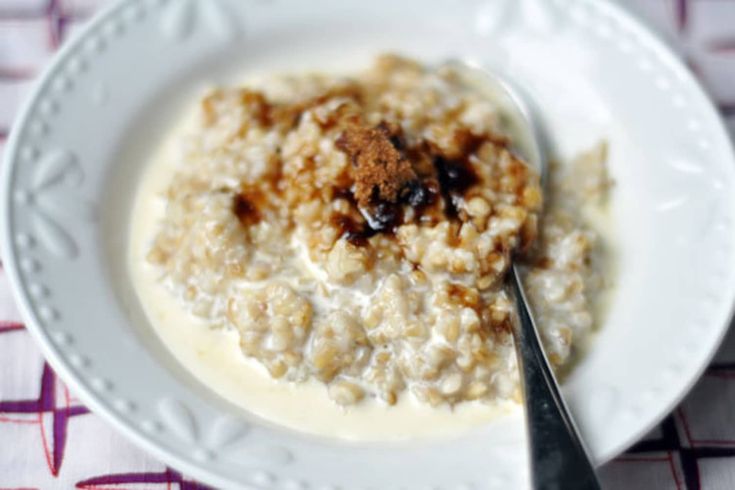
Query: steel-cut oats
x=358, y=231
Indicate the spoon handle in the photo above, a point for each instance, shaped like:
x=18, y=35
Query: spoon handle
x=558, y=457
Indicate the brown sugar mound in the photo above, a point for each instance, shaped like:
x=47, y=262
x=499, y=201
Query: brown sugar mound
x=381, y=170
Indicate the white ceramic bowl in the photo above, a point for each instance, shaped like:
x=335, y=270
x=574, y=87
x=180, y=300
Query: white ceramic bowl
x=95, y=115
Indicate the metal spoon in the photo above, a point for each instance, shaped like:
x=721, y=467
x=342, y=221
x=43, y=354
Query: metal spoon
x=558, y=457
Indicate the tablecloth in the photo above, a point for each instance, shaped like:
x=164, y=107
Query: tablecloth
x=49, y=440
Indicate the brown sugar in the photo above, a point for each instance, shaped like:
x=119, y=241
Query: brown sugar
x=380, y=168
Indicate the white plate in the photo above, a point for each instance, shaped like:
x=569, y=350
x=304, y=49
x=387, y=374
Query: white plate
x=78, y=146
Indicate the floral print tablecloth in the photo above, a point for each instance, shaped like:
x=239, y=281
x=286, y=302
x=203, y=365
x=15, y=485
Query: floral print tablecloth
x=49, y=440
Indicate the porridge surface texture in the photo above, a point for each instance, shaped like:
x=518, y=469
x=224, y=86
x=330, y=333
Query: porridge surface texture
x=358, y=230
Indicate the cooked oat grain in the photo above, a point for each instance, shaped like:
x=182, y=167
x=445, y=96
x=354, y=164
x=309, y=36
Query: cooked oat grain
x=358, y=231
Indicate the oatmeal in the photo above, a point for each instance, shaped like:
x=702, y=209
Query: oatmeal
x=357, y=232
